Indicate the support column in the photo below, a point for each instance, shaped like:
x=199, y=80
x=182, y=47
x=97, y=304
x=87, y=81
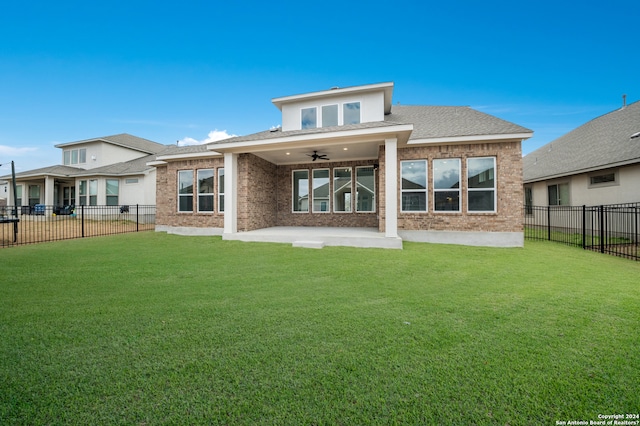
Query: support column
x=49, y=198
x=230, y=193
x=391, y=188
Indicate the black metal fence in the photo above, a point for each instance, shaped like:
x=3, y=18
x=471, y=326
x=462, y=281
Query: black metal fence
x=40, y=223
x=612, y=229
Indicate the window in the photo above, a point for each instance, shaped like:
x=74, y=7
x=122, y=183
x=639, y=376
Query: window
x=321, y=191
x=309, y=117
x=112, y=192
x=185, y=190
x=481, y=184
x=34, y=195
x=558, y=194
x=342, y=189
x=130, y=181
x=528, y=200
x=69, y=195
x=329, y=115
x=604, y=179
x=75, y=156
x=301, y=190
x=93, y=192
x=413, y=175
x=205, y=190
x=446, y=185
x=83, y=192
x=365, y=189
x=221, y=190
x=351, y=113
x=18, y=194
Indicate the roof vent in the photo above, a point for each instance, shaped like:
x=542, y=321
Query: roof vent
x=274, y=128
x=624, y=101
x=334, y=88
x=635, y=135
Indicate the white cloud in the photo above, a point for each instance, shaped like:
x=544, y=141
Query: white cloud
x=10, y=151
x=213, y=136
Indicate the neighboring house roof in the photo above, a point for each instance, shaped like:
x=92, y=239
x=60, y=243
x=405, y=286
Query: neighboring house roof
x=131, y=167
x=62, y=171
x=125, y=140
x=604, y=142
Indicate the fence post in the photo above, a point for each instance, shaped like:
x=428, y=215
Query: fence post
x=601, y=208
x=82, y=219
x=137, y=217
x=584, y=227
x=549, y=223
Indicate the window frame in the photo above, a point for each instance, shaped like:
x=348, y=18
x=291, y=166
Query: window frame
x=93, y=192
x=322, y=115
x=83, y=192
x=344, y=112
x=335, y=190
x=600, y=174
x=425, y=191
x=457, y=190
x=296, y=199
x=220, y=189
x=109, y=197
x=558, y=200
x=493, y=189
x=184, y=195
x=205, y=195
x=302, y=118
x=313, y=190
x=373, y=197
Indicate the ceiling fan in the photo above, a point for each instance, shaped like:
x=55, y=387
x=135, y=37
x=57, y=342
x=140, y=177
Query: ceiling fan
x=317, y=156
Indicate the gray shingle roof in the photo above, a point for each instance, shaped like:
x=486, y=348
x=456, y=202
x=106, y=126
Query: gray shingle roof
x=602, y=142
x=451, y=121
x=124, y=140
x=131, y=167
x=50, y=170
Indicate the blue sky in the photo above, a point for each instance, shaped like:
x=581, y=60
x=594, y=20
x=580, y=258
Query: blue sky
x=177, y=71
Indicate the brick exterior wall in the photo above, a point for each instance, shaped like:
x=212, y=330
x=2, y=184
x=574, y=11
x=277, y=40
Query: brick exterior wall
x=286, y=216
x=508, y=216
x=167, y=195
x=265, y=193
x=257, y=193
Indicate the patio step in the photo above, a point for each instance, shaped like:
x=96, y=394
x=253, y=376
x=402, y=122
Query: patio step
x=309, y=244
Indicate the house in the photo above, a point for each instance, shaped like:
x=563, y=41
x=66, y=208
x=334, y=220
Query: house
x=347, y=158
x=597, y=163
x=109, y=170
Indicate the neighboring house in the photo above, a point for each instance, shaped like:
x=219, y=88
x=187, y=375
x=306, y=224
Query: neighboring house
x=109, y=170
x=597, y=163
x=418, y=173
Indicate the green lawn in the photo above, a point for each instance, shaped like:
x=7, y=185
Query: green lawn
x=147, y=328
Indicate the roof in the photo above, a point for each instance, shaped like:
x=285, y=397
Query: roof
x=451, y=121
x=427, y=121
x=125, y=140
x=49, y=171
x=601, y=143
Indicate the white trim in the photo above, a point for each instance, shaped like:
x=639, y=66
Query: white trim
x=293, y=196
x=495, y=186
x=297, y=139
x=207, y=154
x=230, y=193
x=471, y=138
x=386, y=87
x=466, y=238
x=391, y=188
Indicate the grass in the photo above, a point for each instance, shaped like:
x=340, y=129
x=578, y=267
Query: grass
x=159, y=329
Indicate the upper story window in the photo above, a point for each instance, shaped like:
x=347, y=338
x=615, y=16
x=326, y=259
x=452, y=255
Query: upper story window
x=75, y=156
x=351, y=113
x=309, y=118
x=330, y=115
